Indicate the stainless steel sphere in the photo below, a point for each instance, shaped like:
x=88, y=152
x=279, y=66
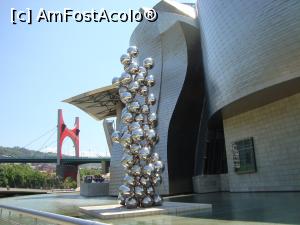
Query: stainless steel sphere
x=127, y=160
x=133, y=51
x=135, y=170
x=155, y=157
x=125, y=59
x=148, y=169
x=157, y=200
x=139, y=191
x=135, y=148
x=142, y=70
x=146, y=128
x=134, y=125
x=125, y=78
x=150, y=99
x=147, y=202
x=115, y=136
x=145, y=109
x=152, y=119
x=137, y=135
x=126, y=97
x=133, y=68
x=121, y=199
x=150, y=190
x=129, y=180
x=127, y=118
x=151, y=136
x=143, y=91
x=144, y=153
x=126, y=139
x=134, y=106
x=145, y=181
x=133, y=87
x=149, y=80
x=116, y=81
x=158, y=166
x=125, y=190
x=139, y=118
x=122, y=90
x=148, y=63
x=131, y=203
x=140, y=78
x=156, y=180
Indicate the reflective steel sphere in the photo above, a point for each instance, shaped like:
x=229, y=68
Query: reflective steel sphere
x=135, y=148
x=116, y=81
x=149, y=80
x=137, y=135
x=155, y=157
x=157, y=200
x=127, y=160
x=133, y=51
x=122, y=90
x=139, y=78
x=158, y=166
x=142, y=70
x=148, y=63
x=126, y=97
x=121, y=199
x=156, y=180
x=152, y=119
x=127, y=117
x=134, y=107
x=146, y=128
x=150, y=99
x=139, y=191
x=125, y=78
x=129, y=180
x=125, y=59
x=148, y=169
x=150, y=190
x=133, y=68
x=134, y=125
x=133, y=87
x=139, y=118
x=145, y=109
x=151, y=136
x=144, y=153
x=126, y=139
x=147, y=202
x=143, y=91
x=125, y=190
x=131, y=203
x=115, y=136
x=145, y=181
x=135, y=170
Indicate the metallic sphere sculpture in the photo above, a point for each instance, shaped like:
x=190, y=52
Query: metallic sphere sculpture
x=138, y=135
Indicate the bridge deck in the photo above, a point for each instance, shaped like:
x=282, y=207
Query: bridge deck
x=75, y=161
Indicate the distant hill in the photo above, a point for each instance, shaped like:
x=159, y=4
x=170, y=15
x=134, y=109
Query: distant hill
x=17, y=152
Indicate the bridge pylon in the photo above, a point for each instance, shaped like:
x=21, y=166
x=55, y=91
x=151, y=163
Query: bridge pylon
x=62, y=133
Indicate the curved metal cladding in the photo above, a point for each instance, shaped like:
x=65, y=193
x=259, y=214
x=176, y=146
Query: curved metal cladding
x=168, y=41
x=251, y=52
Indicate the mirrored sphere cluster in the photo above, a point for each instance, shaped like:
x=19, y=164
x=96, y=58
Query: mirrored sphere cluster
x=138, y=134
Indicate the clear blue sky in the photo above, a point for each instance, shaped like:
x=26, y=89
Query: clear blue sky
x=44, y=63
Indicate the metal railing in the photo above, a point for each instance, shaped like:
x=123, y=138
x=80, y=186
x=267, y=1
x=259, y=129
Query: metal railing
x=40, y=216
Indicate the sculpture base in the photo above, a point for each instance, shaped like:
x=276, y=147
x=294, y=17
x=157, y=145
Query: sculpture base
x=118, y=211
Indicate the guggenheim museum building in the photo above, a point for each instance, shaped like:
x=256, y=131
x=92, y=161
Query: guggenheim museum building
x=228, y=96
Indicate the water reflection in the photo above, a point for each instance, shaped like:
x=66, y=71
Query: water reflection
x=228, y=208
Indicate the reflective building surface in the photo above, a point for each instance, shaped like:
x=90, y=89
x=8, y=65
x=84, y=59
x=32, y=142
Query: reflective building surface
x=227, y=88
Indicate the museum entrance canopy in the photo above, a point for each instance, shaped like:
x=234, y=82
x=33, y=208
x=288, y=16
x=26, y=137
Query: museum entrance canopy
x=99, y=103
